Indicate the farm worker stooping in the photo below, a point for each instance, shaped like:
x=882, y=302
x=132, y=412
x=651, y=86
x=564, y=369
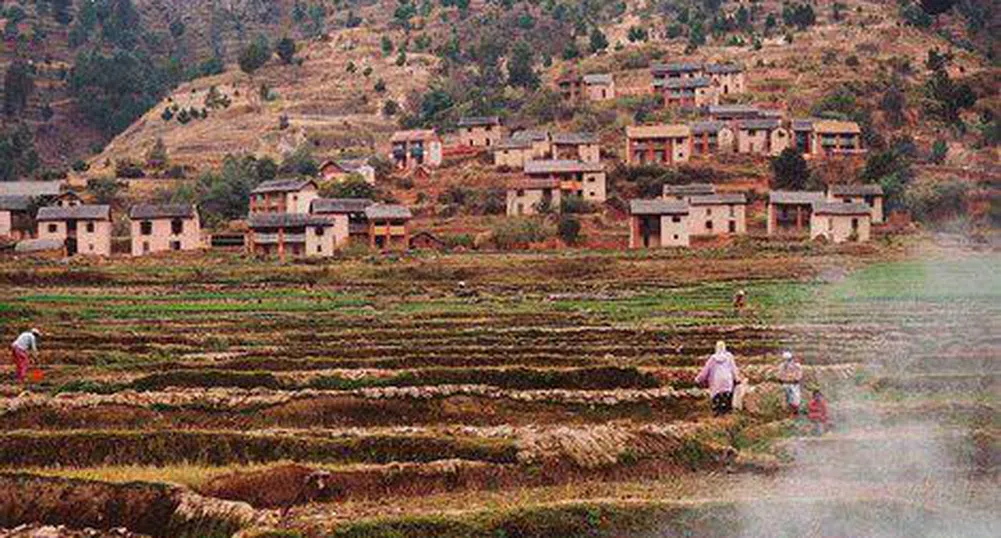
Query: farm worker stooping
x=790, y=375
x=720, y=374
x=24, y=343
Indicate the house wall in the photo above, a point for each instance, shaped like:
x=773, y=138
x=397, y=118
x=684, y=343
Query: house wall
x=875, y=202
x=729, y=83
x=5, y=224
x=161, y=237
x=706, y=96
x=321, y=240
x=589, y=153
x=391, y=234
x=720, y=215
x=593, y=185
x=524, y=204
x=838, y=228
x=298, y=202
x=600, y=92
x=674, y=230
x=674, y=150
x=96, y=243
x=512, y=158
x=763, y=141
x=433, y=155
x=775, y=210
x=480, y=136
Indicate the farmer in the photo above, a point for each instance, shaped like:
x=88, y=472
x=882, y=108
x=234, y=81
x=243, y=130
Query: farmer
x=739, y=302
x=26, y=342
x=817, y=413
x=720, y=374
x=790, y=375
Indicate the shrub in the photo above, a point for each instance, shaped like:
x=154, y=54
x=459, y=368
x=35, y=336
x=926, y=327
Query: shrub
x=255, y=55
x=128, y=169
x=934, y=200
x=104, y=189
x=939, y=151
x=286, y=50
x=789, y=170
x=569, y=229
x=390, y=108
x=519, y=232
x=80, y=165
x=380, y=86
x=574, y=204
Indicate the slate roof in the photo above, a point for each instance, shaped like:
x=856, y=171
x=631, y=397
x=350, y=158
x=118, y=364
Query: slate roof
x=77, y=212
x=856, y=190
x=682, y=83
x=30, y=188
x=476, y=121
x=286, y=220
x=760, y=123
x=151, y=211
x=282, y=185
x=658, y=207
x=339, y=205
x=514, y=143
x=795, y=197
x=676, y=67
x=530, y=135
x=575, y=138
x=737, y=198
x=559, y=165
x=413, y=135
x=15, y=202
x=694, y=189
x=841, y=208
x=802, y=124
x=700, y=127
x=723, y=68
x=387, y=211
x=734, y=109
x=598, y=78
x=658, y=131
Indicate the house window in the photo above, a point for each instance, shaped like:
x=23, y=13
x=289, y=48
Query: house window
x=709, y=211
x=733, y=226
x=675, y=237
x=855, y=225
x=146, y=227
x=145, y=246
x=175, y=245
x=676, y=219
x=319, y=249
x=319, y=230
x=709, y=225
x=521, y=192
x=90, y=227
x=177, y=226
x=830, y=224
x=732, y=211
x=53, y=228
x=90, y=247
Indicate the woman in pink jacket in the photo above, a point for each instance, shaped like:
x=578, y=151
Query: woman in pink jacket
x=720, y=374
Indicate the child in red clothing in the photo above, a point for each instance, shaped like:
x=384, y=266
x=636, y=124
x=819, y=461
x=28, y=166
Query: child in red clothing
x=817, y=413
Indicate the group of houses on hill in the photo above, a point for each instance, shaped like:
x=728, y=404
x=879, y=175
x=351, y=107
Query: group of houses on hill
x=844, y=213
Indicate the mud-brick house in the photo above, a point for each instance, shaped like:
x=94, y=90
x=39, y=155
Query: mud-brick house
x=870, y=195
x=839, y=222
x=283, y=196
x=570, y=86
x=789, y=212
x=599, y=86
x=15, y=217
x=684, y=192
x=521, y=147
x=658, y=144
x=526, y=196
x=827, y=138
x=294, y=234
x=576, y=146
x=583, y=179
x=159, y=228
x=678, y=70
x=480, y=131
x=711, y=138
x=764, y=136
x=340, y=170
x=717, y=214
x=686, y=92
x=658, y=223
x=414, y=148
x=388, y=226
x=727, y=78
x=85, y=229
x=352, y=209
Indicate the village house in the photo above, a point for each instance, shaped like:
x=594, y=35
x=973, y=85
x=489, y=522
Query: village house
x=827, y=138
x=68, y=198
x=840, y=222
x=283, y=196
x=15, y=217
x=761, y=136
x=869, y=195
x=529, y=196
x=480, y=132
x=717, y=214
x=296, y=234
x=584, y=179
x=411, y=149
x=686, y=92
x=727, y=78
x=84, y=229
x=342, y=169
x=593, y=87
x=388, y=226
x=352, y=209
x=570, y=86
x=711, y=138
x=521, y=147
x=658, y=144
x=684, y=192
x=658, y=223
x=158, y=228
x=662, y=71
x=576, y=146
x=789, y=212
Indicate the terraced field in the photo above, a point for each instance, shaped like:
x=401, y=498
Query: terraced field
x=546, y=395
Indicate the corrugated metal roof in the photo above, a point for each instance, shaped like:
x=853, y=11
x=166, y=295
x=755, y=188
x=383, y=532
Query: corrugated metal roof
x=682, y=83
x=77, y=212
x=558, y=165
x=476, y=121
x=689, y=189
x=387, y=211
x=575, y=138
x=856, y=190
x=340, y=205
x=727, y=198
x=795, y=197
x=841, y=208
x=658, y=131
x=15, y=202
x=286, y=220
x=151, y=211
x=30, y=188
x=657, y=207
x=282, y=185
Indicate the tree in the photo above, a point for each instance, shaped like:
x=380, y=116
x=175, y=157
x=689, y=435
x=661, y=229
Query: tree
x=18, y=157
x=569, y=229
x=266, y=169
x=18, y=85
x=61, y=11
x=104, y=189
x=113, y=91
x=353, y=186
x=520, y=67
x=936, y=7
x=948, y=99
x=255, y=55
x=939, y=151
x=893, y=104
x=789, y=170
x=286, y=50
x=387, y=45
x=157, y=156
x=598, y=41
x=637, y=33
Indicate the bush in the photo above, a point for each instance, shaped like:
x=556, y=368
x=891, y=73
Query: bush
x=789, y=170
x=519, y=232
x=939, y=151
x=104, y=189
x=128, y=169
x=286, y=50
x=569, y=229
x=574, y=204
x=380, y=86
x=80, y=165
x=390, y=108
x=935, y=200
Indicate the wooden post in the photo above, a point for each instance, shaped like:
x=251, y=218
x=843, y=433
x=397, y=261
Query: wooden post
x=281, y=244
x=799, y=219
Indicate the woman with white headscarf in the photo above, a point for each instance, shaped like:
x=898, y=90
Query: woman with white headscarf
x=720, y=374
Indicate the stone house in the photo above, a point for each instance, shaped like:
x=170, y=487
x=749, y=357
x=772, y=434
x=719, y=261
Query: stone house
x=727, y=78
x=599, y=87
x=480, y=131
x=658, y=223
x=295, y=234
x=513, y=152
x=159, y=228
x=789, y=212
x=388, y=226
x=283, y=196
x=85, y=229
x=576, y=146
x=658, y=144
x=870, y=195
x=526, y=196
x=419, y=147
x=827, y=138
x=15, y=217
x=761, y=136
x=684, y=192
x=711, y=138
x=351, y=209
x=839, y=222
x=717, y=214
x=584, y=179
x=686, y=92
x=340, y=170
